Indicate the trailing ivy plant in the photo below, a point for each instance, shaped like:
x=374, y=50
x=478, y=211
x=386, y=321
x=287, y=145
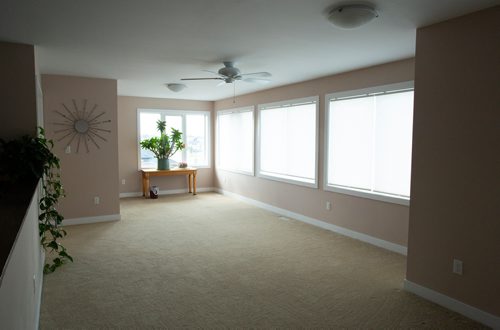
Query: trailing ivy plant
x=49, y=220
x=29, y=159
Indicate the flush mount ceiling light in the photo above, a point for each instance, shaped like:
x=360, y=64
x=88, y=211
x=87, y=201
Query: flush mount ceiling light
x=176, y=87
x=352, y=16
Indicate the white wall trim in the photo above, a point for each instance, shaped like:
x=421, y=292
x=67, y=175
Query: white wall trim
x=38, y=298
x=453, y=304
x=318, y=223
x=167, y=192
x=86, y=220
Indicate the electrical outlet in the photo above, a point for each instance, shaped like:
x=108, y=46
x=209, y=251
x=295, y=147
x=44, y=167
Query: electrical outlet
x=123, y=181
x=67, y=149
x=97, y=200
x=458, y=267
x=328, y=206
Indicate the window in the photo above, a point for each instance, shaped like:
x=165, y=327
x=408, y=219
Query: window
x=369, y=139
x=235, y=140
x=195, y=128
x=287, y=144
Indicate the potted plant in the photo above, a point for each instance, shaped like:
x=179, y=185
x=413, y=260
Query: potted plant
x=25, y=161
x=165, y=146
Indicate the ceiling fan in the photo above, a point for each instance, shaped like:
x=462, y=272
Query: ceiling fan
x=230, y=74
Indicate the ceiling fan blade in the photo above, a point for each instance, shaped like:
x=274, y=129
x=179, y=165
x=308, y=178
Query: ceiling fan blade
x=215, y=73
x=257, y=74
x=202, y=79
x=257, y=80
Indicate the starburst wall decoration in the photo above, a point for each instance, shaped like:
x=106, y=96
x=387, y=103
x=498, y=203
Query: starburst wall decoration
x=81, y=126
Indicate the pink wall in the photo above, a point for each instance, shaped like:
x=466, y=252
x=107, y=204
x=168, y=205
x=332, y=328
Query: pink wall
x=128, y=152
x=85, y=175
x=17, y=90
x=455, y=207
x=379, y=219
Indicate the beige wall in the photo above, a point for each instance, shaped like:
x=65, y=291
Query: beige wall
x=127, y=135
x=455, y=208
x=85, y=175
x=379, y=219
x=17, y=90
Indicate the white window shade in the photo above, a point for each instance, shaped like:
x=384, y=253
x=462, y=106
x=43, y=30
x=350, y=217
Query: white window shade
x=235, y=136
x=351, y=148
x=301, y=141
x=288, y=142
x=273, y=135
x=369, y=139
x=393, y=140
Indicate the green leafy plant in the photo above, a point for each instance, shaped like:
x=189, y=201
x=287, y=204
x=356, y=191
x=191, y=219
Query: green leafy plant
x=164, y=146
x=29, y=159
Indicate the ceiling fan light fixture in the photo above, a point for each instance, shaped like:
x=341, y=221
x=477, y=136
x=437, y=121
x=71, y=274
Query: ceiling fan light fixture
x=176, y=88
x=229, y=70
x=352, y=16
x=229, y=74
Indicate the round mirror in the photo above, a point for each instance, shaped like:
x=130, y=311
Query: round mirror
x=81, y=126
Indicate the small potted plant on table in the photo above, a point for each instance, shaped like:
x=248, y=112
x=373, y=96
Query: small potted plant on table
x=165, y=146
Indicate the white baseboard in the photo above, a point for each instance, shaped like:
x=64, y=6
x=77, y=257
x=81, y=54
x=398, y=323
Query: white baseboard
x=86, y=220
x=453, y=304
x=167, y=192
x=318, y=223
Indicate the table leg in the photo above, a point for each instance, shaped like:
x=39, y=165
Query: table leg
x=143, y=185
x=194, y=183
x=189, y=183
x=146, y=185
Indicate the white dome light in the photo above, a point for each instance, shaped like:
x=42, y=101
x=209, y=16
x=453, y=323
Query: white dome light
x=176, y=87
x=352, y=16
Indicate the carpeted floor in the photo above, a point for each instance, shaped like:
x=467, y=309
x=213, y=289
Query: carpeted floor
x=209, y=261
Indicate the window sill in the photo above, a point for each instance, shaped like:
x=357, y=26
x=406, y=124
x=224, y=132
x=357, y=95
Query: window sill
x=288, y=179
x=370, y=195
x=235, y=171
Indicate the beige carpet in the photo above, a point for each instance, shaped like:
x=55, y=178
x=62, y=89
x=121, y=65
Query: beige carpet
x=209, y=261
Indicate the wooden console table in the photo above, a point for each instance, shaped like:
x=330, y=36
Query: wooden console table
x=190, y=172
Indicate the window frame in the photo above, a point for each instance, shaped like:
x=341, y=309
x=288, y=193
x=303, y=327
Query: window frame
x=382, y=89
x=217, y=149
x=182, y=113
x=288, y=179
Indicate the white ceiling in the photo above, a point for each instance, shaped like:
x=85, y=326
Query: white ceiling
x=145, y=44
